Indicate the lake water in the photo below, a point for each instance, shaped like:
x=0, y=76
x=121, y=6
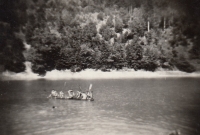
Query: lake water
x=121, y=107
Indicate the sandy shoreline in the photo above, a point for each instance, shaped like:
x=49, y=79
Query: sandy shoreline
x=92, y=74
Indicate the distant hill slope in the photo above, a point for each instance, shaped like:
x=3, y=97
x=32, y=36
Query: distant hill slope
x=81, y=34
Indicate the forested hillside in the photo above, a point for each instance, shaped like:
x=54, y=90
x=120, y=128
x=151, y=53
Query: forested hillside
x=100, y=34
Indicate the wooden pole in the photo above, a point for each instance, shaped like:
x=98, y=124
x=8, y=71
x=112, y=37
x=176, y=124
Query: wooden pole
x=164, y=24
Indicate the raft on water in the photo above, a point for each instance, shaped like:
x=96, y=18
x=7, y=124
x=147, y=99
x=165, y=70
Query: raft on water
x=88, y=96
x=68, y=98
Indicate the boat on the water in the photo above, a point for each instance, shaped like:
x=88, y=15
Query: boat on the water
x=87, y=96
x=68, y=98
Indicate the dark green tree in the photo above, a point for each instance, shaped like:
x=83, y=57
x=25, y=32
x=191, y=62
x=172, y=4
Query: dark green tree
x=134, y=55
x=12, y=18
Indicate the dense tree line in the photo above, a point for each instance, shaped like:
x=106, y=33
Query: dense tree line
x=104, y=35
x=12, y=18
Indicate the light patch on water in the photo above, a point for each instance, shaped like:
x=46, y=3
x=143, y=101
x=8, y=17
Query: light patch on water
x=92, y=74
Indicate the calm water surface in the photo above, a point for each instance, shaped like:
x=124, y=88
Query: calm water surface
x=121, y=107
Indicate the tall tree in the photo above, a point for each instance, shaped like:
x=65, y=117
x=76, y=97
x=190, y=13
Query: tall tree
x=12, y=18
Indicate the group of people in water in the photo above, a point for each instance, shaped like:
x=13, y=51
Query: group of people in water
x=73, y=95
x=56, y=94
